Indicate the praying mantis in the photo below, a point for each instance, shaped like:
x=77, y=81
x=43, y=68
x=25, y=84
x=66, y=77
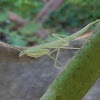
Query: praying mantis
x=45, y=49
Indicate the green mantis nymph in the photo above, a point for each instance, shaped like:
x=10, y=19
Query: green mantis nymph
x=45, y=49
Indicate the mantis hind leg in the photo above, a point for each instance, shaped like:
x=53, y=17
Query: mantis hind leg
x=56, y=61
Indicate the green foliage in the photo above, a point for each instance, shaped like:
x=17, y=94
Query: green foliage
x=30, y=28
x=18, y=38
x=26, y=8
x=75, y=12
x=72, y=13
x=13, y=37
x=3, y=16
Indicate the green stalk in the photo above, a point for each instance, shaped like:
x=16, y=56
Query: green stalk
x=80, y=74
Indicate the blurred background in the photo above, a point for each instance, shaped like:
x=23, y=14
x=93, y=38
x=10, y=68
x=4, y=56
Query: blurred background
x=31, y=22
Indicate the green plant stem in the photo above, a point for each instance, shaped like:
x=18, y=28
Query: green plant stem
x=80, y=74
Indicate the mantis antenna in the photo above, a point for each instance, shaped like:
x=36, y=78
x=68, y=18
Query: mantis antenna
x=10, y=47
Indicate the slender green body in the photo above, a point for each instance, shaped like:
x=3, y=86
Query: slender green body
x=80, y=74
x=44, y=49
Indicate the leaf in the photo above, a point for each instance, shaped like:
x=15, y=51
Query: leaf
x=30, y=28
x=19, y=42
x=3, y=16
x=16, y=39
x=32, y=39
x=1, y=30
